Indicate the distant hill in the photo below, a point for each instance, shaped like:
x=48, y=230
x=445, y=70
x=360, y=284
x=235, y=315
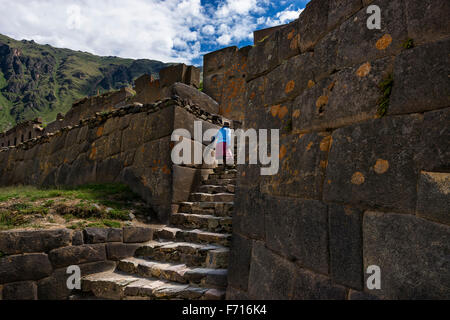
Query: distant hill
x=42, y=81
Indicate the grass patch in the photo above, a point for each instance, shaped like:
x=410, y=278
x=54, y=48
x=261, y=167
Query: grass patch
x=386, y=88
x=106, y=205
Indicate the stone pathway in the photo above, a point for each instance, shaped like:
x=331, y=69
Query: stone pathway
x=188, y=259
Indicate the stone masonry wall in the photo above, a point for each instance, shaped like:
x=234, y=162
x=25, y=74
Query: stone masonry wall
x=131, y=145
x=33, y=264
x=358, y=185
x=224, y=80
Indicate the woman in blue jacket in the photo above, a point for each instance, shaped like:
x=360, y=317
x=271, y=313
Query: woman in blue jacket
x=223, y=145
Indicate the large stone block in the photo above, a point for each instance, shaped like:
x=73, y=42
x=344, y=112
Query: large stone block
x=373, y=164
x=358, y=44
x=421, y=81
x=102, y=235
x=184, y=181
x=239, y=264
x=137, y=234
x=26, y=290
x=413, y=255
x=118, y=251
x=298, y=229
x=434, y=153
x=341, y=10
x=196, y=97
x=76, y=255
x=289, y=79
x=18, y=242
x=263, y=56
x=308, y=285
x=313, y=23
x=249, y=210
x=434, y=196
x=427, y=20
x=303, y=161
x=271, y=277
x=350, y=96
x=278, y=116
x=54, y=287
x=346, y=238
x=33, y=266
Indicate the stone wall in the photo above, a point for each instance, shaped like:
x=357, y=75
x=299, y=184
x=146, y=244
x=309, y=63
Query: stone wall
x=359, y=184
x=224, y=80
x=33, y=264
x=23, y=131
x=131, y=145
x=147, y=90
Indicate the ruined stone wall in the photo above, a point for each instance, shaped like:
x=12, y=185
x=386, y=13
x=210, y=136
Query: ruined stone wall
x=24, y=131
x=364, y=171
x=33, y=264
x=131, y=145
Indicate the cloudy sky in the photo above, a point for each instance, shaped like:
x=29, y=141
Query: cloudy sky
x=166, y=30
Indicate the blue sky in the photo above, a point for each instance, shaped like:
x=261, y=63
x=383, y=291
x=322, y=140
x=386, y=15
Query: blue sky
x=166, y=30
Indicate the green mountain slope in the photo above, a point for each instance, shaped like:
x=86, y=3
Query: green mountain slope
x=42, y=81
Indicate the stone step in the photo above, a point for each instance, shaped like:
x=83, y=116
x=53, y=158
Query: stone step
x=223, y=170
x=206, y=197
x=223, y=176
x=211, y=189
x=219, y=209
x=204, y=277
x=219, y=182
x=191, y=254
x=120, y=286
x=205, y=222
x=196, y=236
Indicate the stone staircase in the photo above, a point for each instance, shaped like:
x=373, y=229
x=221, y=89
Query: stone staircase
x=187, y=259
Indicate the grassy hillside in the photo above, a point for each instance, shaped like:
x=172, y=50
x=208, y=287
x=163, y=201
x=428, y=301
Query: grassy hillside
x=39, y=80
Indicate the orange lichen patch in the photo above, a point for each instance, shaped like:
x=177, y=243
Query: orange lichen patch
x=323, y=100
x=295, y=43
x=382, y=166
x=274, y=110
x=323, y=164
x=290, y=86
x=283, y=152
x=291, y=34
x=93, y=153
x=99, y=131
x=283, y=112
x=296, y=114
x=166, y=170
x=325, y=144
x=310, y=145
x=384, y=42
x=364, y=70
x=331, y=86
x=358, y=178
x=311, y=84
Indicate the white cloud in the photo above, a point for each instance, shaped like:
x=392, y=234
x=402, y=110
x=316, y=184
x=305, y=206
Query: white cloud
x=283, y=17
x=166, y=30
x=224, y=39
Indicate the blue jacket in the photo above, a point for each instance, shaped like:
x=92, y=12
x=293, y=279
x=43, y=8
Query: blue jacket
x=224, y=135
